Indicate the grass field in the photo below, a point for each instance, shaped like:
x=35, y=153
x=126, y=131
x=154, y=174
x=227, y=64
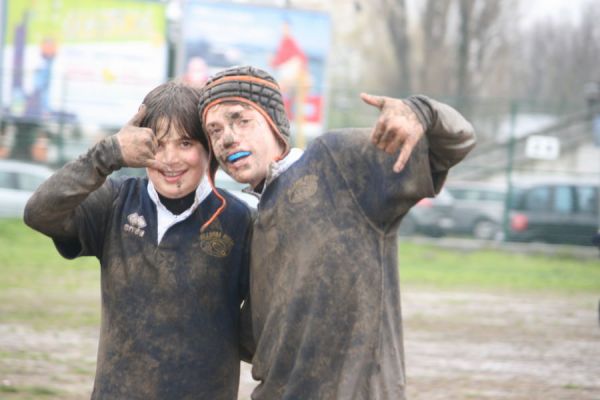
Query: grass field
x=41, y=289
x=46, y=298
x=497, y=270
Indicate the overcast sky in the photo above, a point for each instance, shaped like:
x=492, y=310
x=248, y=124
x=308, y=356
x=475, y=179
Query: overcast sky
x=534, y=10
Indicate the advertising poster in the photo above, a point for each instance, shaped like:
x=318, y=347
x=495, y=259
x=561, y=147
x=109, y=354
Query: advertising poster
x=290, y=44
x=81, y=61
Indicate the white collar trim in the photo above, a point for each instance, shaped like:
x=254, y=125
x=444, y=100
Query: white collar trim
x=165, y=218
x=276, y=168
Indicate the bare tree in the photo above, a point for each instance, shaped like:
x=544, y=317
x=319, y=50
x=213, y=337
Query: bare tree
x=466, y=11
x=397, y=22
x=482, y=42
x=560, y=57
x=434, y=68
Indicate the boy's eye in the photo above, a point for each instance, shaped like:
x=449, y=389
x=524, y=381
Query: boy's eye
x=214, y=132
x=243, y=123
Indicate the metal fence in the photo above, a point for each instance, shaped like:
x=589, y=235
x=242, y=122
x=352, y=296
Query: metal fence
x=504, y=128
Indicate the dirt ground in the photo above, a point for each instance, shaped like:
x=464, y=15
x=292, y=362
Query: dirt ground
x=459, y=345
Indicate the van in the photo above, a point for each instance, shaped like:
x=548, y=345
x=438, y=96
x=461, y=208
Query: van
x=554, y=212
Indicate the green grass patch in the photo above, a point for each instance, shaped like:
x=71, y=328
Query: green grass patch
x=8, y=389
x=571, y=386
x=40, y=288
x=497, y=270
x=27, y=391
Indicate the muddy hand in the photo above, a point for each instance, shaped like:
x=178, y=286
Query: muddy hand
x=397, y=128
x=138, y=145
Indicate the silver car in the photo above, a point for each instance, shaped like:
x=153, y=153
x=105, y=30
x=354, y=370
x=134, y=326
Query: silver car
x=430, y=216
x=477, y=209
x=18, y=181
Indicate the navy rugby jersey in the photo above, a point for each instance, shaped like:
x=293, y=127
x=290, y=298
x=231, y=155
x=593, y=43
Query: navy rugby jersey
x=170, y=311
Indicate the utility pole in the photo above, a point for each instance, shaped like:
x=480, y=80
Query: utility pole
x=592, y=96
x=509, y=167
x=174, y=14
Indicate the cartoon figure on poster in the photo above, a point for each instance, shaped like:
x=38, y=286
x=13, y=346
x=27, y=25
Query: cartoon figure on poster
x=196, y=71
x=36, y=102
x=290, y=64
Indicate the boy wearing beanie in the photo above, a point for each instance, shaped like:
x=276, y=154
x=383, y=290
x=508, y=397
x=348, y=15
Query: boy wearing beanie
x=173, y=260
x=324, y=281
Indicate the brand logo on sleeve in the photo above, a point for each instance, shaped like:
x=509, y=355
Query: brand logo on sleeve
x=135, y=224
x=303, y=189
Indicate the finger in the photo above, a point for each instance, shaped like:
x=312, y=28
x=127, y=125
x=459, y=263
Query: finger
x=143, y=141
x=388, y=137
x=152, y=142
x=405, y=153
x=139, y=116
x=378, y=131
x=394, y=144
x=158, y=165
x=375, y=101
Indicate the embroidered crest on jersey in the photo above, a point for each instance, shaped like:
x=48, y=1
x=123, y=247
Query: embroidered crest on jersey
x=216, y=243
x=303, y=189
x=136, y=224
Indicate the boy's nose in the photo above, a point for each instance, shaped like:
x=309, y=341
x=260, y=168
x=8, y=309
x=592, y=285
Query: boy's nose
x=169, y=154
x=228, y=137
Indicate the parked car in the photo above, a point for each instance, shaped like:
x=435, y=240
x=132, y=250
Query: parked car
x=462, y=208
x=554, y=212
x=477, y=209
x=430, y=216
x=18, y=181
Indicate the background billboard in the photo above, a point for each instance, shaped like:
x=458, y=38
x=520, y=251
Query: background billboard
x=291, y=44
x=81, y=61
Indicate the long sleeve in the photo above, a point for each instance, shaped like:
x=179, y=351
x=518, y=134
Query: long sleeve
x=449, y=135
x=385, y=196
x=54, y=208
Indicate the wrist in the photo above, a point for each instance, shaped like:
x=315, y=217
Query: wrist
x=106, y=155
x=420, y=106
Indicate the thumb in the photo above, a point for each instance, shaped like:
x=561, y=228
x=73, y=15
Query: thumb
x=375, y=101
x=155, y=164
x=137, y=119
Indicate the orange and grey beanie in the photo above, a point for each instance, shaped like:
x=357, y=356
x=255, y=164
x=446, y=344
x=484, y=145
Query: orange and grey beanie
x=251, y=86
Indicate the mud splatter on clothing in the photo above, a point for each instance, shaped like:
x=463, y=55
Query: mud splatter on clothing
x=324, y=282
x=171, y=311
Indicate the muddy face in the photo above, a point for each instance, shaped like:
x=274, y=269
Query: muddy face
x=186, y=159
x=242, y=141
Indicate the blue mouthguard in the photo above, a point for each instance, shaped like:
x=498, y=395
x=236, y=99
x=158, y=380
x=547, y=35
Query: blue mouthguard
x=238, y=155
